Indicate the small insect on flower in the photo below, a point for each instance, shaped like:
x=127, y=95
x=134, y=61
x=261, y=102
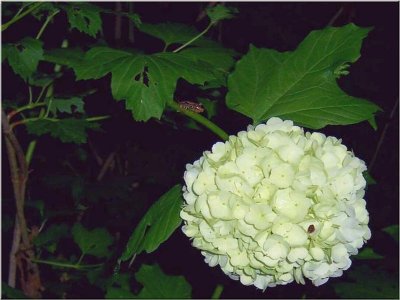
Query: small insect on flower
x=311, y=229
x=192, y=106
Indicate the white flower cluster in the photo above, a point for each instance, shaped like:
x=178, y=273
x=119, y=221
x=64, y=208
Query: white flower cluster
x=274, y=204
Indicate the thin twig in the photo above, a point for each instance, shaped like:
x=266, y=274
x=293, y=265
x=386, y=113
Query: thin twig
x=194, y=38
x=20, y=16
x=382, y=136
x=131, y=27
x=96, y=155
x=106, y=166
x=48, y=19
x=118, y=21
x=336, y=16
x=203, y=12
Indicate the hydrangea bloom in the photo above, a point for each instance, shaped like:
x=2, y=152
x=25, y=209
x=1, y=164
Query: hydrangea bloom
x=274, y=204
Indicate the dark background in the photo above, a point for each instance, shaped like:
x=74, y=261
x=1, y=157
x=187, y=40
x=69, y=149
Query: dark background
x=157, y=153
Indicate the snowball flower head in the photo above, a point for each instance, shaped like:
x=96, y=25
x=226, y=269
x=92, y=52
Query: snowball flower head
x=274, y=204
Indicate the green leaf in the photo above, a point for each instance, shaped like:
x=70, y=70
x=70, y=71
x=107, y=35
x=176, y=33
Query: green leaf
x=24, y=56
x=44, y=10
x=373, y=124
x=158, y=285
x=94, y=277
x=220, y=61
x=37, y=204
x=50, y=238
x=301, y=85
x=217, y=57
x=210, y=107
x=157, y=225
x=146, y=82
x=11, y=293
x=118, y=287
x=174, y=33
x=85, y=17
x=66, y=105
x=368, y=178
x=368, y=283
x=4, y=52
x=118, y=293
x=67, y=130
x=68, y=56
x=221, y=12
x=94, y=242
x=42, y=79
x=393, y=231
x=135, y=18
x=368, y=253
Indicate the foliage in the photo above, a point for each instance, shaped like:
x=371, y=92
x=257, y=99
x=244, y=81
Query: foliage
x=368, y=283
x=393, y=231
x=157, y=285
x=24, y=56
x=67, y=130
x=149, y=82
x=87, y=204
x=157, y=225
x=301, y=85
x=94, y=242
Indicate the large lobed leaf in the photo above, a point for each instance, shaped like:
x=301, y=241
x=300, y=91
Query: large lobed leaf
x=146, y=82
x=158, y=285
x=301, y=85
x=67, y=130
x=64, y=56
x=24, y=56
x=94, y=242
x=85, y=17
x=118, y=287
x=73, y=104
x=221, y=12
x=157, y=225
x=50, y=238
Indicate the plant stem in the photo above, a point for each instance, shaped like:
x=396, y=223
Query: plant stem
x=24, y=121
x=195, y=38
x=29, y=152
x=18, y=17
x=19, y=178
x=80, y=259
x=42, y=91
x=382, y=136
x=48, y=108
x=97, y=118
x=12, y=269
x=334, y=18
x=48, y=19
x=25, y=107
x=217, y=292
x=65, y=265
x=30, y=94
x=202, y=120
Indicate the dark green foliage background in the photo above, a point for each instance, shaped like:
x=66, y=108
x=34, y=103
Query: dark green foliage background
x=63, y=186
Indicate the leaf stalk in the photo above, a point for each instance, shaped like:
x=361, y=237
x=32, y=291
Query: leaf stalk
x=200, y=119
x=195, y=38
x=19, y=16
